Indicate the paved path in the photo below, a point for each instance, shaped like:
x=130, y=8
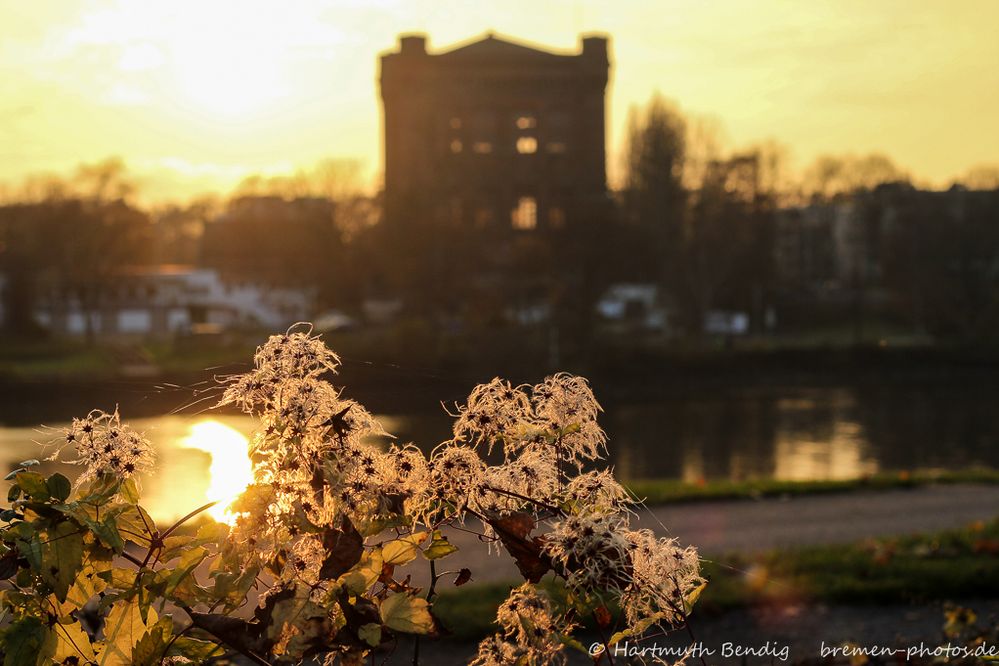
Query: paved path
x=757, y=525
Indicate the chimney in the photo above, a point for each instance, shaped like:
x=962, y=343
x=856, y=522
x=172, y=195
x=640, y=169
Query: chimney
x=413, y=45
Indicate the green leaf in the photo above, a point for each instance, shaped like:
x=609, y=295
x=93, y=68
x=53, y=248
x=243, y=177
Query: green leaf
x=371, y=634
x=72, y=641
x=27, y=642
x=33, y=485
x=107, y=532
x=439, y=547
x=189, y=561
x=404, y=549
x=59, y=487
x=123, y=629
x=129, y=491
x=195, y=650
x=406, y=613
x=62, y=557
x=13, y=493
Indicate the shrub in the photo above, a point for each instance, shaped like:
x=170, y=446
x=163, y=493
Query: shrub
x=325, y=534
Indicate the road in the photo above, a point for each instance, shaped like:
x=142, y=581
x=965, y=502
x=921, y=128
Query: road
x=747, y=526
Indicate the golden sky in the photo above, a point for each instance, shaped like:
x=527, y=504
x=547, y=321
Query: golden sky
x=195, y=94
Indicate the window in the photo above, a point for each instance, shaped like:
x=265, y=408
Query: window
x=527, y=145
x=482, y=147
x=525, y=215
x=556, y=217
x=555, y=147
x=526, y=122
x=455, y=145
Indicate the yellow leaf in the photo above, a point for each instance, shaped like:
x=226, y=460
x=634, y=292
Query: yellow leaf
x=439, y=547
x=123, y=629
x=363, y=574
x=72, y=641
x=404, y=549
x=408, y=614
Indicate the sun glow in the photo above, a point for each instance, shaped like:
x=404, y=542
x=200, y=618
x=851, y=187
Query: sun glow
x=230, y=471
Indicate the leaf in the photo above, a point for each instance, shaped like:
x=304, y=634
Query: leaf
x=569, y=641
x=72, y=641
x=123, y=629
x=28, y=642
x=406, y=613
x=33, y=484
x=404, y=549
x=464, y=575
x=119, y=577
x=135, y=525
x=8, y=564
x=364, y=574
x=344, y=548
x=439, y=547
x=88, y=581
x=639, y=627
x=62, y=557
x=691, y=598
x=233, y=631
x=59, y=487
x=514, y=532
x=129, y=491
x=371, y=634
x=193, y=649
x=150, y=648
x=189, y=561
x=31, y=550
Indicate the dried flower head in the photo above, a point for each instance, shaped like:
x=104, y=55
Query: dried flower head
x=597, y=492
x=529, y=632
x=559, y=414
x=664, y=577
x=565, y=405
x=593, y=551
x=495, y=414
x=106, y=446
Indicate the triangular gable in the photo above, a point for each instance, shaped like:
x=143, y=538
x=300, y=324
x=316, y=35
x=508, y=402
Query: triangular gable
x=492, y=47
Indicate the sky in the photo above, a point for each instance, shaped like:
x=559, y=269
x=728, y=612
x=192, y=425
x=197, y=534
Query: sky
x=196, y=94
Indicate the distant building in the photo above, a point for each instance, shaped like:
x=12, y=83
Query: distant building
x=494, y=134
x=166, y=300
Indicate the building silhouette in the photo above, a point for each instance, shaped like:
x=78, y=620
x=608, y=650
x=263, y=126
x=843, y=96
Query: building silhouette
x=494, y=135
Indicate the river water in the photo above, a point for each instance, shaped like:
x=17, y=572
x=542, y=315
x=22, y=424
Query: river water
x=797, y=433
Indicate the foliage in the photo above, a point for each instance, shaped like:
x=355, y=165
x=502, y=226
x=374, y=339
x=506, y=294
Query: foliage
x=319, y=560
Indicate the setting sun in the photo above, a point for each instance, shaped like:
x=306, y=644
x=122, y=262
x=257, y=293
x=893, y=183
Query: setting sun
x=230, y=470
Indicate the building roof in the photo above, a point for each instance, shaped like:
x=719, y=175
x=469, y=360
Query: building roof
x=492, y=47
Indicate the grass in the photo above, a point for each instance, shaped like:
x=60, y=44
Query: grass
x=950, y=565
x=665, y=491
x=43, y=358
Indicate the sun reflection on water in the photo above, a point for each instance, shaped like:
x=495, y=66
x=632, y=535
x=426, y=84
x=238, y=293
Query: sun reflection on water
x=230, y=471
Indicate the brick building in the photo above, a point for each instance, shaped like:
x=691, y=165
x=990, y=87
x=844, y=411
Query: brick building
x=494, y=135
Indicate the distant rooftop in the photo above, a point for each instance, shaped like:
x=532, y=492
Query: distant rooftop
x=493, y=47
